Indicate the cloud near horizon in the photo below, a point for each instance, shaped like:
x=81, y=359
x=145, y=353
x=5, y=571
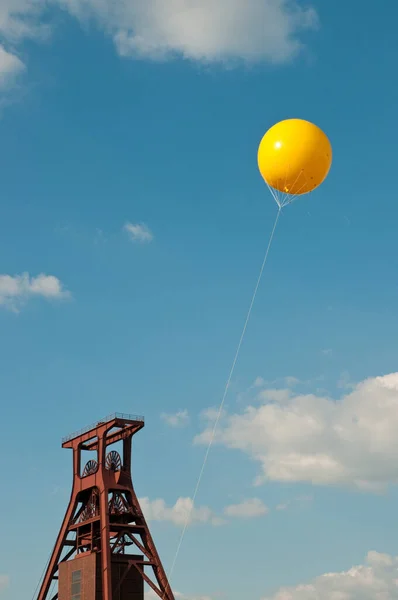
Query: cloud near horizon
x=295, y=437
x=248, y=509
x=376, y=579
x=184, y=511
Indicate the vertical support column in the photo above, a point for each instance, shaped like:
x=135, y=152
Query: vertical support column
x=104, y=520
x=127, y=443
x=150, y=545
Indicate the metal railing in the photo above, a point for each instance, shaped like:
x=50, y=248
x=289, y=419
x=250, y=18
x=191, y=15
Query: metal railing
x=125, y=416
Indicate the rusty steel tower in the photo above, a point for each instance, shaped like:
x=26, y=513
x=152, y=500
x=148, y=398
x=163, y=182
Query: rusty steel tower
x=91, y=559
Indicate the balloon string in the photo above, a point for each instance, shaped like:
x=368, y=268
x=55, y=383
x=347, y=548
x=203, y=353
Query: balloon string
x=220, y=410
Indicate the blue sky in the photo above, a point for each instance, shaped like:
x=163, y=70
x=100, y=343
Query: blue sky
x=151, y=115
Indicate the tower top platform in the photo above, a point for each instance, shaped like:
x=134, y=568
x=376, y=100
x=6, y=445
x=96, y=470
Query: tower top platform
x=115, y=418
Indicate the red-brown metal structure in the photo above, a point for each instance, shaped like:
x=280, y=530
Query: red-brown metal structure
x=104, y=518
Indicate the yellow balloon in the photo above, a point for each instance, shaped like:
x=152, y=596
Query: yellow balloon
x=294, y=156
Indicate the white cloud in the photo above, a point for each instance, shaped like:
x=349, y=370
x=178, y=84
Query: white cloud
x=20, y=19
x=224, y=31
x=10, y=67
x=17, y=289
x=200, y=30
x=4, y=582
x=183, y=509
x=210, y=31
x=283, y=382
x=349, y=442
x=139, y=232
x=178, y=419
x=376, y=579
x=250, y=508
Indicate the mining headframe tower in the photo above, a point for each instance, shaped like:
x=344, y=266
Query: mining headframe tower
x=92, y=558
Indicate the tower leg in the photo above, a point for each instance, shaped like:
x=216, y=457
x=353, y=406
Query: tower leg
x=149, y=544
x=105, y=548
x=54, y=560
